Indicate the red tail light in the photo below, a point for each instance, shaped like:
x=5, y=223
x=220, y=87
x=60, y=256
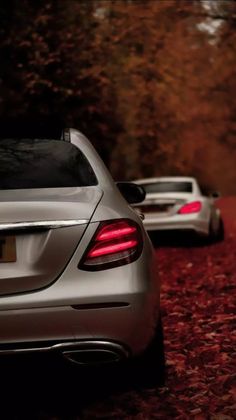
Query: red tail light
x=115, y=243
x=193, y=207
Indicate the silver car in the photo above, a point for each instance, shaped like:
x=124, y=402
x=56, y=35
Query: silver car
x=178, y=204
x=77, y=269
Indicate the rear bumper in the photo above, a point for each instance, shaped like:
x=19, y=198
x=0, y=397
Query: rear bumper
x=118, y=330
x=193, y=223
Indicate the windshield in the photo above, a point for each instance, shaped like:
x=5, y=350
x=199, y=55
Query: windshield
x=168, y=187
x=43, y=164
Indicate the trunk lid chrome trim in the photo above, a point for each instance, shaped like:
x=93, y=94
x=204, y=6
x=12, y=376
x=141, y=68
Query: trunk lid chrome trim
x=42, y=224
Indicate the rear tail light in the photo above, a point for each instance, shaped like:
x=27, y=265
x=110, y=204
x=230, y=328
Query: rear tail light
x=189, y=208
x=115, y=243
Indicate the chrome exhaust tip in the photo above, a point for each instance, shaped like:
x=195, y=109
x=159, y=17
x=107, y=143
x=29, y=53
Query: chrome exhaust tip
x=92, y=356
x=95, y=353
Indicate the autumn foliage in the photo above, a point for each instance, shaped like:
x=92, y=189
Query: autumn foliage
x=152, y=83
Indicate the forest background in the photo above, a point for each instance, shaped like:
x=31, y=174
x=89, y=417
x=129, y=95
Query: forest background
x=152, y=83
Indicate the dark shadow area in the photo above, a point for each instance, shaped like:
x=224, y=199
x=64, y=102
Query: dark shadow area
x=180, y=239
x=45, y=387
x=32, y=127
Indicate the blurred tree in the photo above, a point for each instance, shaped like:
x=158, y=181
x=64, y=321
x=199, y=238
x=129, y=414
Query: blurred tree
x=50, y=73
x=154, y=51
x=167, y=63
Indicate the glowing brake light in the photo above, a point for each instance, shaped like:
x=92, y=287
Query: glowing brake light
x=98, y=250
x=115, y=243
x=112, y=232
x=194, y=207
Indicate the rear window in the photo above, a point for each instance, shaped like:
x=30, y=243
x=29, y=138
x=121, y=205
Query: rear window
x=43, y=164
x=168, y=187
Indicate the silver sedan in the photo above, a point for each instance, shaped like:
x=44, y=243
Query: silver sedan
x=77, y=270
x=178, y=204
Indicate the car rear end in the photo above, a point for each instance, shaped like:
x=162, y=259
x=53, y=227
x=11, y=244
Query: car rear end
x=174, y=205
x=77, y=271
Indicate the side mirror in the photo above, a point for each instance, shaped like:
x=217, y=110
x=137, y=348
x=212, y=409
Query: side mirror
x=215, y=194
x=133, y=193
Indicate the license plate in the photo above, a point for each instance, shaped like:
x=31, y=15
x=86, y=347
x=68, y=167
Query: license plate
x=7, y=249
x=163, y=208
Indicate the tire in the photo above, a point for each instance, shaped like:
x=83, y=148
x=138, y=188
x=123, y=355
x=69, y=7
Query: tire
x=221, y=231
x=148, y=369
x=216, y=236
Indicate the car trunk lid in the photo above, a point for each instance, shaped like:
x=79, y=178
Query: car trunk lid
x=162, y=204
x=39, y=232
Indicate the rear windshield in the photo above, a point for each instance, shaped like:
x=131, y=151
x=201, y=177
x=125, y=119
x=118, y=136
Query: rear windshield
x=168, y=187
x=43, y=164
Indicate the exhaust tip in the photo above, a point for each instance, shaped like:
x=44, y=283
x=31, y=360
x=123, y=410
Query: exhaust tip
x=92, y=356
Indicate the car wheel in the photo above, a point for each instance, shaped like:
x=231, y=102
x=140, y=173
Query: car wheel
x=216, y=235
x=148, y=369
x=221, y=232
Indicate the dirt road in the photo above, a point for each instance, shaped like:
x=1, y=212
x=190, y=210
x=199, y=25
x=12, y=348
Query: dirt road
x=198, y=301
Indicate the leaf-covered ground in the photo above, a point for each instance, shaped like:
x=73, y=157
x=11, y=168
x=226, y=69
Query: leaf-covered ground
x=198, y=304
